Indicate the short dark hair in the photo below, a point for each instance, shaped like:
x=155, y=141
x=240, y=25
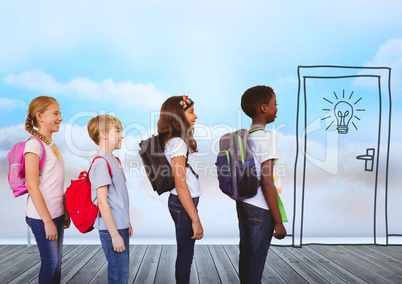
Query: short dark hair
x=254, y=97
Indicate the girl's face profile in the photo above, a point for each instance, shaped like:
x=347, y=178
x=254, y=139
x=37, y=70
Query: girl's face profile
x=51, y=118
x=190, y=115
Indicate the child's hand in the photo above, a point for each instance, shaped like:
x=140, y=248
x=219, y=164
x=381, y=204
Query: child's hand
x=51, y=231
x=118, y=243
x=279, y=231
x=130, y=231
x=198, y=231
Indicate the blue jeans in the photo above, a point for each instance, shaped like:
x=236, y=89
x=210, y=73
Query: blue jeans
x=51, y=252
x=117, y=262
x=184, y=232
x=256, y=229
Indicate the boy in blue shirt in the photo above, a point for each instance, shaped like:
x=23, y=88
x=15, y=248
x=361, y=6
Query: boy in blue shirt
x=111, y=195
x=259, y=216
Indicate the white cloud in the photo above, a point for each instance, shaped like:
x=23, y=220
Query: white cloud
x=119, y=94
x=389, y=54
x=12, y=134
x=35, y=80
x=9, y=105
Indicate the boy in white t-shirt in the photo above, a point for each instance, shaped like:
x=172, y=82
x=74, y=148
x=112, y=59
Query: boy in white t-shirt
x=259, y=217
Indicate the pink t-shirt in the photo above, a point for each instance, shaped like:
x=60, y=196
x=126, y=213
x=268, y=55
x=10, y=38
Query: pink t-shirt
x=51, y=182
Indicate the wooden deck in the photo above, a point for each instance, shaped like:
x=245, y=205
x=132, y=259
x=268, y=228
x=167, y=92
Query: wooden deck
x=215, y=264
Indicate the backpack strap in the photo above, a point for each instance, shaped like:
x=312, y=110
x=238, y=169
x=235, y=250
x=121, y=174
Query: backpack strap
x=243, y=142
x=118, y=159
x=255, y=128
x=188, y=165
x=188, y=152
x=108, y=166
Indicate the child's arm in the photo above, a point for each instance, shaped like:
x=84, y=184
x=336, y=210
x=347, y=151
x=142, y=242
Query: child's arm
x=32, y=182
x=269, y=192
x=106, y=212
x=67, y=219
x=179, y=173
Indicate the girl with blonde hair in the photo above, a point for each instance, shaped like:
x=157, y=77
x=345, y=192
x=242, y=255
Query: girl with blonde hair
x=45, y=210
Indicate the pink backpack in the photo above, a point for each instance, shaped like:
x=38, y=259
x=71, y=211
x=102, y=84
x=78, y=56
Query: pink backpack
x=16, y=167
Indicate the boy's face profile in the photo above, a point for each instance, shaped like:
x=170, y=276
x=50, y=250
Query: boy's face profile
x=271, y=109
x=114, y=136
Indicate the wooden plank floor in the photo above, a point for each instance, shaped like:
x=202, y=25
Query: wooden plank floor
x=215, y=264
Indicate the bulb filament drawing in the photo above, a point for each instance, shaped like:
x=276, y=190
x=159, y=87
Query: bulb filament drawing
x=343, y=112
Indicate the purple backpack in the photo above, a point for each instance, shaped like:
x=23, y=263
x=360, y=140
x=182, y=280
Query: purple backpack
x=16, y=167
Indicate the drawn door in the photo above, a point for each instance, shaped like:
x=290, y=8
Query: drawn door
x=342, y=156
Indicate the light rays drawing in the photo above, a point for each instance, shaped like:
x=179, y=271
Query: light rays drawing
x=344, y=111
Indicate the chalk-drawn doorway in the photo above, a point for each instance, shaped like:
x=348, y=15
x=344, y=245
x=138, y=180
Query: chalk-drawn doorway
x=341, y=166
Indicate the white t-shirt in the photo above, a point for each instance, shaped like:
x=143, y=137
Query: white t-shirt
x=264, y=148
x=177, y=147
x=51, y=182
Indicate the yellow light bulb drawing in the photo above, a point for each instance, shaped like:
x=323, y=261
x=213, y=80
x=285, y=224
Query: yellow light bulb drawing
x=343, y=112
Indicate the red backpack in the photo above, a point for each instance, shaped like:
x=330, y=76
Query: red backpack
x=16, y=166
x=79, y=204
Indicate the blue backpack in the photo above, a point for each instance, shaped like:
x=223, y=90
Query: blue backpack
x=235, y=164
x=237, y=174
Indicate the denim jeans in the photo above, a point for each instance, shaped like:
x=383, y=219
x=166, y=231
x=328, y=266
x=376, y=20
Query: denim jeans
x=184, y=232
x=51, y=252
x=256, y=229
x=117, y=262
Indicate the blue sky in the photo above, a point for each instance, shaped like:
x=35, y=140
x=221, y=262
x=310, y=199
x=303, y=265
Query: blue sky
x=127, y=57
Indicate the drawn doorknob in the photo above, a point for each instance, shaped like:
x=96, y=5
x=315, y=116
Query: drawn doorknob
x=368, y=158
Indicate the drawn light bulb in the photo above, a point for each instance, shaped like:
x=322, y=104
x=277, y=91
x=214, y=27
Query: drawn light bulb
x=343, y=112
